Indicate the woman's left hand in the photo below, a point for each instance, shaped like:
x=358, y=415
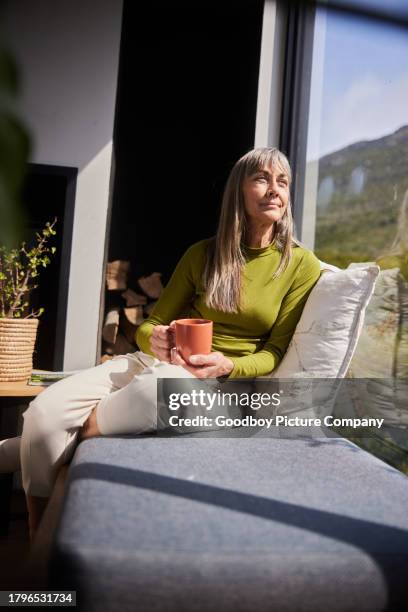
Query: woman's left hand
x=204, y=366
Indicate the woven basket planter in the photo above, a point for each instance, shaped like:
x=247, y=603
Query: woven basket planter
x=17, y=341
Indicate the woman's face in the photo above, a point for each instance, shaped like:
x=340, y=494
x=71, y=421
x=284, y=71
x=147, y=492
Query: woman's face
x=266, y=195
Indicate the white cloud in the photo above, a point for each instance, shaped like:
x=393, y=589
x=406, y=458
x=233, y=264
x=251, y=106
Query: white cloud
x=368, y=109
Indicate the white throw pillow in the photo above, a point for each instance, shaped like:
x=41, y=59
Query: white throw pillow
x=381, y=355
x=380, y=331
x=327, y=332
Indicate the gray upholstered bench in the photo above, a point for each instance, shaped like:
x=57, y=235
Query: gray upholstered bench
x=233, y=524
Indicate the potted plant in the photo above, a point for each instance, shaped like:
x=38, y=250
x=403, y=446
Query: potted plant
x=19, y=269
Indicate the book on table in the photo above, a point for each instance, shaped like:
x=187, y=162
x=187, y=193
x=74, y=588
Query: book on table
x=47, y=377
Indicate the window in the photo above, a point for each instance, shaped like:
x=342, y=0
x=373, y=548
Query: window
x=346, y=132
x=357, y=143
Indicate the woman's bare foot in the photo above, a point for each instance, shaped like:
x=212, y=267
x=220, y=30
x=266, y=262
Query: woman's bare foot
x=36, y=507
x=90, y=428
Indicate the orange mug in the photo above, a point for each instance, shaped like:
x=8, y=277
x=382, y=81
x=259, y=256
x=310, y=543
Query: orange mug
x=193, y=337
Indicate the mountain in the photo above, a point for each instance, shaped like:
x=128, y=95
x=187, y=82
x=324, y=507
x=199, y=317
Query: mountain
x=360, y=191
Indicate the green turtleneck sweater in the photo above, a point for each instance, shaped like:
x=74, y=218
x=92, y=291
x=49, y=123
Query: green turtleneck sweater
x=255, y=338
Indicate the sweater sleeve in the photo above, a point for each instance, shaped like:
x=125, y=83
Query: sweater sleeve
x=178, y=292
x=264, y=361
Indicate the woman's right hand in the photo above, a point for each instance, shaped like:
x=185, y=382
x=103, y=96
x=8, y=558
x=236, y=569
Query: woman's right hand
x=162, y=341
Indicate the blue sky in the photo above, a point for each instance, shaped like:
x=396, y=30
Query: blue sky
x=393, y=7
x=360, y=82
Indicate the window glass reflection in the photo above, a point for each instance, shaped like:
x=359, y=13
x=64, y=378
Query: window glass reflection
x=358, y=138
x=356, y=198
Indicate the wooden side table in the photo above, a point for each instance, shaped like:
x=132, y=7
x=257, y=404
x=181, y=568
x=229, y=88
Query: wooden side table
x=12, y=396
x=19, y=389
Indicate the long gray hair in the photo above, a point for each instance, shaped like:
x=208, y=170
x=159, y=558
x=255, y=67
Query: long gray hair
x=225, y=261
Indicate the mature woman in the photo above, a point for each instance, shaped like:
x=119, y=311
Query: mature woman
x=252, y=280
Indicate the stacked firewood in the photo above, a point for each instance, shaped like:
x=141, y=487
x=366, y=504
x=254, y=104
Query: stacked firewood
x=126, y=307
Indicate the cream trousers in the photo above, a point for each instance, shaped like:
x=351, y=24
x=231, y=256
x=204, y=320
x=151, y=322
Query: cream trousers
x=124, y=391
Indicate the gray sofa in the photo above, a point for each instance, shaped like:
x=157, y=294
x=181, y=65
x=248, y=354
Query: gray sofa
x=199, y=523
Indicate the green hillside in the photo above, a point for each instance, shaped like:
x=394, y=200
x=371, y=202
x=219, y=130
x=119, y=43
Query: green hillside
x=361, y=188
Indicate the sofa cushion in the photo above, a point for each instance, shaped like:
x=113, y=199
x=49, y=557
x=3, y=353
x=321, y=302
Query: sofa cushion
x=382, y=353
x=380, y=329
x=327, y=332
x=201, y=523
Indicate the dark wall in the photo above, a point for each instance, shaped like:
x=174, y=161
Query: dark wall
x=186, y=111
x=49, y=193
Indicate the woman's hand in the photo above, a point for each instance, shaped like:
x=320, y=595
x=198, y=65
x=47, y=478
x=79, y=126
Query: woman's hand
x=204, y=366
x=162, y=341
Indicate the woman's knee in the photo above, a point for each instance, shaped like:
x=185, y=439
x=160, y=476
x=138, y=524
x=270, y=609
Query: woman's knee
x=37, y=409
x=44, y=412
